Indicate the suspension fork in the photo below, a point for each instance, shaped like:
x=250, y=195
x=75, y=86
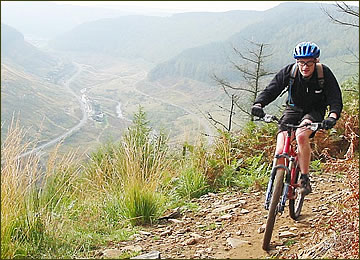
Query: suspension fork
x=275, y=167
x=288, y=188
x=269, y=189
x=270, y=183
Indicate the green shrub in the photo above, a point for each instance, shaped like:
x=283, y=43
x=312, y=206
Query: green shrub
x=191, y=184
x=316, y=166
x=141, y=205
x=254, y=173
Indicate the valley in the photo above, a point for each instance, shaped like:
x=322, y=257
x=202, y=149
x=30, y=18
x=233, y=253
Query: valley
x=108, y=98
x=116, y=92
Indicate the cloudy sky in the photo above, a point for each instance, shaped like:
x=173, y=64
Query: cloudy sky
x=189, y=6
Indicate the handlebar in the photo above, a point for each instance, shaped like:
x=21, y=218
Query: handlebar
x=271, y=119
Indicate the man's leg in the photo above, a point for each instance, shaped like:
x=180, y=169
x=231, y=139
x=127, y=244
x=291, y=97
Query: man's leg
x=304, y=155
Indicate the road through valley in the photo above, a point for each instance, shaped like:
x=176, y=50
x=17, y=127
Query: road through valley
x=72, y=130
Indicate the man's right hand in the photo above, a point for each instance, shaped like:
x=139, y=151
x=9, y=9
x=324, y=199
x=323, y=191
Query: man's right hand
x=257, y=110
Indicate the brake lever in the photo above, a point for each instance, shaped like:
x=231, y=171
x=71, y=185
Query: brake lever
x=315, y=126
x=270, y=118
x=267, y=118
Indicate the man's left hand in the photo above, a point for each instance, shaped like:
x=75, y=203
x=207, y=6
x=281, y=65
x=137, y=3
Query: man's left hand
x=329, y=123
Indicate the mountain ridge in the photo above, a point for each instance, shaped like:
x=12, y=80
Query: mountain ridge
x=157, y=38
x=23, y=55
x=281, y=37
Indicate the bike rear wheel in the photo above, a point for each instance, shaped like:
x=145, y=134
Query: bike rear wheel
x=275, y=199
x=295, y=205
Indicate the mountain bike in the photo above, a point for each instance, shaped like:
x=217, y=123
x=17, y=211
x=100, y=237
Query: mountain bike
x=284, y=178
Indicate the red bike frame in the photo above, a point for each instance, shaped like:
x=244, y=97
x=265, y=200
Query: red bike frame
x=290, y=154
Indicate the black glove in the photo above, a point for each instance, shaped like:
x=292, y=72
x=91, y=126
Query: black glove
x=329, y=123
x=257, y=111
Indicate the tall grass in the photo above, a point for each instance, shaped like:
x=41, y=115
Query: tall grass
x=135, y=167
x=18, y=177
x=235, y=159
x=191, y=184
x=32, y=199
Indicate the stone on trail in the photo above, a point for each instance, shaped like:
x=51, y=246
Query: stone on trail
x=112, y=253
x=190, y=241
x=244, y=211
x=224, y=208
x=145, y=233
x=226, y=216
x=286, y=234
x=234, y=243
x=134, y=248
x=150, y=255
x=262, y=229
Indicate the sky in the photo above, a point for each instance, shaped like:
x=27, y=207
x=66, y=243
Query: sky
x=190, y=6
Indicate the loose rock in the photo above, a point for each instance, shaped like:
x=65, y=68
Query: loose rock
x=150, y=255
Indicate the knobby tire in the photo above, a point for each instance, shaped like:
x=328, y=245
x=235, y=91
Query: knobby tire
x=275, y=199
x=295, y=205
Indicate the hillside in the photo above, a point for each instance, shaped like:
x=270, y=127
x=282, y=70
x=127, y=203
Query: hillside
x=280, y=29
x=127, y=159
x=229, y=225
x=30, y=91
x=44, y=109
x=22, y=55
x=153, y=38
x=140, y=196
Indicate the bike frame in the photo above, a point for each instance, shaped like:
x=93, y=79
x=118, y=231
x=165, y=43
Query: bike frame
x=290, y=163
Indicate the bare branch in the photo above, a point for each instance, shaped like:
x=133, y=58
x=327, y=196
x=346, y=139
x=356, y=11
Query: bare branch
x=345, y=8
x=226, y=84
x=252, y=71
x=342, y=7
x=216, y=121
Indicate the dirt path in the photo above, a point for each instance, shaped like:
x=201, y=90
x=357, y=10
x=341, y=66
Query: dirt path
x=228, y=225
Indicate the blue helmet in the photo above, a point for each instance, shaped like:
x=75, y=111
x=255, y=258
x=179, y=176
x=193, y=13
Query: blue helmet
x=306, y=50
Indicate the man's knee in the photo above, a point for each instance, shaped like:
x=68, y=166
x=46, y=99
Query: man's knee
x=303, y=134
x=303, y=137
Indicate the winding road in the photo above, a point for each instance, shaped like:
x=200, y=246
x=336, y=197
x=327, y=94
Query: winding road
x=71, y=130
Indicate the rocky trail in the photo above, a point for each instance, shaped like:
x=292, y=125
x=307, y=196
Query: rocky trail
x=230, y=225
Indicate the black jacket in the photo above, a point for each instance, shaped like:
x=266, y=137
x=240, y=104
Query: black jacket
x=305, y=93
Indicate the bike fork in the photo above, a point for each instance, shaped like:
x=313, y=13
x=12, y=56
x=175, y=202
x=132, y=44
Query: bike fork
x=270, y=185
x=284, y=197
x=286, y=185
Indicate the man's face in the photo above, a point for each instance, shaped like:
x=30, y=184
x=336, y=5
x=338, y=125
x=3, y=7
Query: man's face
x=306, y=66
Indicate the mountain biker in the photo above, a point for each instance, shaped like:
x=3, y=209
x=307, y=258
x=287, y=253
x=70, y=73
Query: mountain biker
x=307, y=102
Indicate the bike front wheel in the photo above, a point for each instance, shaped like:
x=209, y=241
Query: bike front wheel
x=295, y=205
x=273, y=209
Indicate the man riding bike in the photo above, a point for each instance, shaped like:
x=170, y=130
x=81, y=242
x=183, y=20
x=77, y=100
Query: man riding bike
x=308, y=99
